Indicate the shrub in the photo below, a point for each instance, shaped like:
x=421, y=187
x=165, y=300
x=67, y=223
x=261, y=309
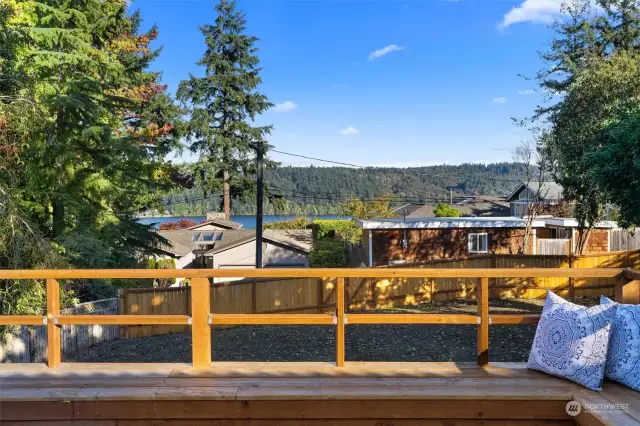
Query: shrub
x=445, y=210
x=297, y=223
x=162, y=263
x=328, y=254
x=181, y=224
x=329, y=229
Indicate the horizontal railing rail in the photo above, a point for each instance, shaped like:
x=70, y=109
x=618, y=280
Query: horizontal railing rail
x=312, y=273
x=202, y=319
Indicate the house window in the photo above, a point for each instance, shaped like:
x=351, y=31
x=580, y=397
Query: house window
x=478, y=243
x=560, y=233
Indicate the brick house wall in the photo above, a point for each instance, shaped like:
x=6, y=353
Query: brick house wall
x=426, y=244
x=597, y=241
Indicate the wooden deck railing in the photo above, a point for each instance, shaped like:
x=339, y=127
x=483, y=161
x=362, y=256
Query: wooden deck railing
x=201, y=319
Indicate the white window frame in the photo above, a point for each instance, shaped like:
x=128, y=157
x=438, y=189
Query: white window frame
x=478, y=235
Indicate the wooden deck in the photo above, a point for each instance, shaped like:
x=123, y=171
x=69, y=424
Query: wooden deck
x=261, y=394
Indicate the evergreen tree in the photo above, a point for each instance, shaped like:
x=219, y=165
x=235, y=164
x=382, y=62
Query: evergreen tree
x=574, y=123
x=224, y=103
x=93, y=129
x=574, y=43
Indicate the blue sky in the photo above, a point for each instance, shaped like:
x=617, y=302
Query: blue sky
x=380, y=82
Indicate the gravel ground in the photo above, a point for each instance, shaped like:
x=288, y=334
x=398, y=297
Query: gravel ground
x=364, y=342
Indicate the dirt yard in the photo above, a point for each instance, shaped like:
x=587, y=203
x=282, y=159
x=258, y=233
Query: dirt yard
x=364, y=342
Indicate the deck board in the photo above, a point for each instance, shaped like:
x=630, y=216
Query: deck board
x=251, y=394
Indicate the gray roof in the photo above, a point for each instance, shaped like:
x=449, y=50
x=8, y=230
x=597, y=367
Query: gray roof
x=550, y=190
x=222, y=223
x=472, y=205
x=448, y=222
x=180, y=241
x=299, y=239
x=232, y=238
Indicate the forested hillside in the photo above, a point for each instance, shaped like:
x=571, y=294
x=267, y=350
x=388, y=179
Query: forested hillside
x=317, y=190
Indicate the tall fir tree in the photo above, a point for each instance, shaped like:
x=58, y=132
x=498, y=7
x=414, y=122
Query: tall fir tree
x=574, y=43
x=225, y=102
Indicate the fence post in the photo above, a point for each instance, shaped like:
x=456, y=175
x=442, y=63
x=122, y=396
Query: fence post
x=319, y=294
x=53, y=332
x=628, y=291
x=122, y=310
x=482, y=296
x=340, y=340
x=572, y=285
x=200, y=328
x=254, y=296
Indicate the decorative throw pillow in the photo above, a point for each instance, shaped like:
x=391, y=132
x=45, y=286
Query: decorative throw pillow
x=571, y=341
x=623, y=359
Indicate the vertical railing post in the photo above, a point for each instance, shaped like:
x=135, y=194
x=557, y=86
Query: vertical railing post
x=53, y=332
x=628, y=291
x=200, y=328
x=340, y=340
x=482, y=296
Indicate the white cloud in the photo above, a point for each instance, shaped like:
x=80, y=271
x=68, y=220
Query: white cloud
x=385, y=50
x=500, y=100
x=286, y=106
x=350, y=131
x=539, y=11
x=526, y=92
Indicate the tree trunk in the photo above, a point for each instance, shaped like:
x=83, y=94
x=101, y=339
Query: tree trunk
x=58, y=217
x=227, y=195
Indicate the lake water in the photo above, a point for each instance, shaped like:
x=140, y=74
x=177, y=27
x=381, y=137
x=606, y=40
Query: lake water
x=248, y=222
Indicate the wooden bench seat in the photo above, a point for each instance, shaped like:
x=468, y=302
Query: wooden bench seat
x=261, y=394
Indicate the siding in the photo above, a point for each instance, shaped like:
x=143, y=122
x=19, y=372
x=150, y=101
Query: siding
x=427, y=244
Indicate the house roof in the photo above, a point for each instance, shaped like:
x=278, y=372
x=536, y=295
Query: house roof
x=568, y=222
x=222, y=223
x=297, y=239
x=180, y=242
x=407, y=209
x=549, y=191
x=472, y=205
x=301, y=239
x=448, y=222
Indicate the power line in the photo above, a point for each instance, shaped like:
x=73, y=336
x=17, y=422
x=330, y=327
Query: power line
x=318, y=159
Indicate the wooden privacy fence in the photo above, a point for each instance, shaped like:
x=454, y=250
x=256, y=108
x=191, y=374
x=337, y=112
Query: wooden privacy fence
x=621, y=239
x=553, y=246
x=202, y=318
x=309, y=295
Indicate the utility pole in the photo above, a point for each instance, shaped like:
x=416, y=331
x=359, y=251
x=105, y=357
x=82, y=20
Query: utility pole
x=450, y=195
x=259, y=200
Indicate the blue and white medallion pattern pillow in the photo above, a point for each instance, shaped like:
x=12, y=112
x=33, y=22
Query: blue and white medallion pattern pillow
x=623, y=359
x=571, y=341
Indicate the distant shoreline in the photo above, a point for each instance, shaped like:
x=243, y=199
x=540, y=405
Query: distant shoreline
x=247, y=221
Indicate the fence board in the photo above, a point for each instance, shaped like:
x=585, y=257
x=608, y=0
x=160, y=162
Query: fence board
x=303, y=295
x=620, y=239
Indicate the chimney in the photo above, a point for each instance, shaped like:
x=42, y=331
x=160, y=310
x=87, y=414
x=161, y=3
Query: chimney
x=215, y=215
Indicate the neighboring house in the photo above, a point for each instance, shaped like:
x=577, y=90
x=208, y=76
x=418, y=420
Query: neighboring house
x=281, y=248
x=236, y=248
x=179, y=247
x=388, y=241
x=472, y=205
x=533, y=192
x=215, y=225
